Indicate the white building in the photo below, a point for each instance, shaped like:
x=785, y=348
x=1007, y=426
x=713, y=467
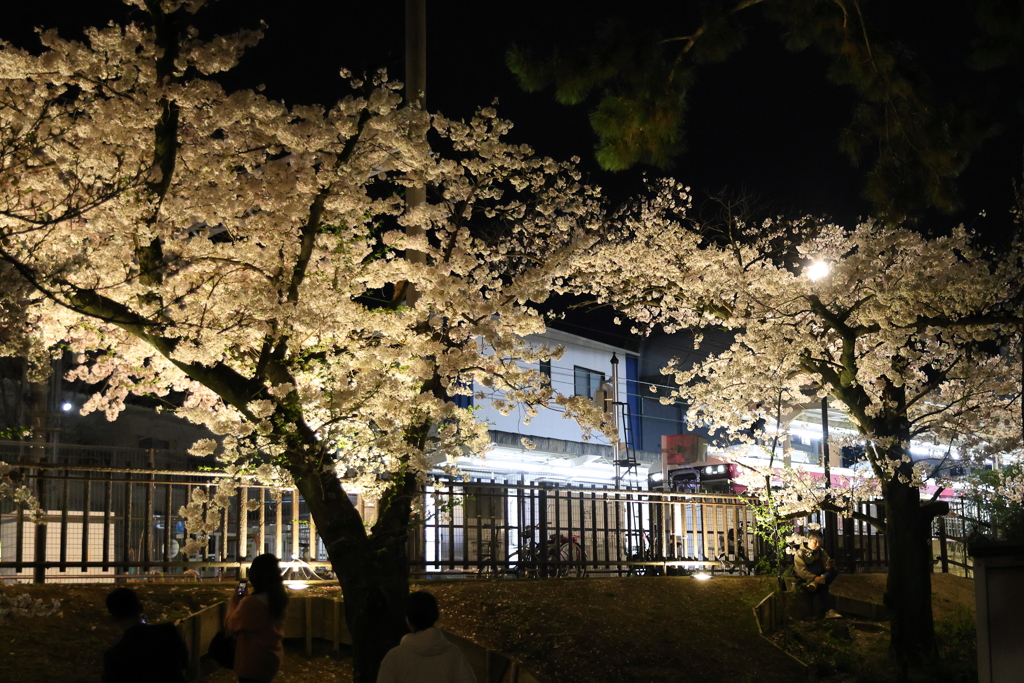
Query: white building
x=561, y=453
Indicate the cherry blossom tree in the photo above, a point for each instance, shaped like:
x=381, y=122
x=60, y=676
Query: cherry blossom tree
x=916, y=338
x=248, y=258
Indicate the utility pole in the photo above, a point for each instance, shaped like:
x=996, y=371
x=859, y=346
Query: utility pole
x=415, y=93
x=615, y=422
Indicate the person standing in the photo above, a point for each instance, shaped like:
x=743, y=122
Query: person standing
x=425, y=655
x=257, y=622
x=145, y=652
x=813, y=565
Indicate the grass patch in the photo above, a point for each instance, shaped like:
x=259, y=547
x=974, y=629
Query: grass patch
x=621, y=630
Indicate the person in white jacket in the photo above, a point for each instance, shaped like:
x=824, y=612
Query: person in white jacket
x=425, y=655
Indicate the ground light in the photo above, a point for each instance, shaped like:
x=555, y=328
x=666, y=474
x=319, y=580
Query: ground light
x=702, y=576
x=297, y=585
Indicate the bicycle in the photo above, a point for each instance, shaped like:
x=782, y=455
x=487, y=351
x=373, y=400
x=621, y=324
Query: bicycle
x=565, y=558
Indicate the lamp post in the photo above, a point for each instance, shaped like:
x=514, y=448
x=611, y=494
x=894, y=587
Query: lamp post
x=831, y=520
x=615, y=420
x=818, y=271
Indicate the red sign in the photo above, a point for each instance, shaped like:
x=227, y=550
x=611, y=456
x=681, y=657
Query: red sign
x=682, y=449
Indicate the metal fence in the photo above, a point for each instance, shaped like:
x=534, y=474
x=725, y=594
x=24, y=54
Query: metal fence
x=109, y=522
x=508, y=527
x=104, y=523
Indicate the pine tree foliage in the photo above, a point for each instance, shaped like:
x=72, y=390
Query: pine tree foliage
x=912, y=143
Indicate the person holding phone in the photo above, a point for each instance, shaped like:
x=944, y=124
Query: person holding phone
x=257, y=622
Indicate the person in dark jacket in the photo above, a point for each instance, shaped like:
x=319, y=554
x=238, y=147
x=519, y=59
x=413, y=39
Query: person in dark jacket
x=145, y=652
x=816, y=571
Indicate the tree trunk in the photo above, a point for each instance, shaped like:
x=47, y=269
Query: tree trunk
x=908, y=590
x=373, y=572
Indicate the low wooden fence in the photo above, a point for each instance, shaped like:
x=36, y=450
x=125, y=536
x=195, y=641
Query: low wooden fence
x=314, y=617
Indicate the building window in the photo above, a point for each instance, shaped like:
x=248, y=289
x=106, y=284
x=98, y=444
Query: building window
x=545, y=369
x=587, y=381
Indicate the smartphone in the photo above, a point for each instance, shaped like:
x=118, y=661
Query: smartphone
x=241, y=587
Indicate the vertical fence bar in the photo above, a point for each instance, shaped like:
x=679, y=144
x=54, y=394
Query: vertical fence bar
x=738, y=537
x=616, y=504
x=484, y=493
x=607, y=535
x=86, y=508
x=556, y=533
x=64, y=524
x=628, y=550
x=314, y=544
x=296, y=524
x=108, y=491
x=943, y=554
x=168, y=524
x=242, y=527
x=147, y=526
x=263, y=522
x=225, y=515
x=19, y=536
x=435, y=525
x=451, y=524
x=126, y=529
x=206, y=509
x=542, y=505
x=593, y=525
x=279, y=523
x=705, y=530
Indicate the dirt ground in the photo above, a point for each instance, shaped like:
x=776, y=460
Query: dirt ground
x=584, y=630
x=949, y=593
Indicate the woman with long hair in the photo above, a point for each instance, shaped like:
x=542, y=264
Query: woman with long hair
x=257, y=622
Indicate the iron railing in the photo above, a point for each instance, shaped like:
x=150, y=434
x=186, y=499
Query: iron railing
x=110, y=522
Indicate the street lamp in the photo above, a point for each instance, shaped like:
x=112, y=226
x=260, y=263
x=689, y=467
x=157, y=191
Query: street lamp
x=817, y=270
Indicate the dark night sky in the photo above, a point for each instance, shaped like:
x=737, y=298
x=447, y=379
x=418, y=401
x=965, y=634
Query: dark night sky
x=766, y=121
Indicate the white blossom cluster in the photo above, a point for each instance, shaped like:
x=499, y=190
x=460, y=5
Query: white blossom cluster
x=796, y=491
x=244, y=269
x=20, y=495
x=916, y=337
x=24, y=605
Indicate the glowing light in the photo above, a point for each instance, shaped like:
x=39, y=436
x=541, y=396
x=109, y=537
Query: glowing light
x=297, y=585
x=66, y=407
x=702, y=576
x=817, y=270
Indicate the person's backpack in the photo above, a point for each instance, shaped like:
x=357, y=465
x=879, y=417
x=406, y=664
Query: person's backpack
x=222, y=649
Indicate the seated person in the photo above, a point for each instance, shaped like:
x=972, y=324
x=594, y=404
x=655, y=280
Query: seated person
x=815, y=571
x=156, y=653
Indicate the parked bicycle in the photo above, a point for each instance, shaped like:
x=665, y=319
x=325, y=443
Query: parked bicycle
x=564, y=557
